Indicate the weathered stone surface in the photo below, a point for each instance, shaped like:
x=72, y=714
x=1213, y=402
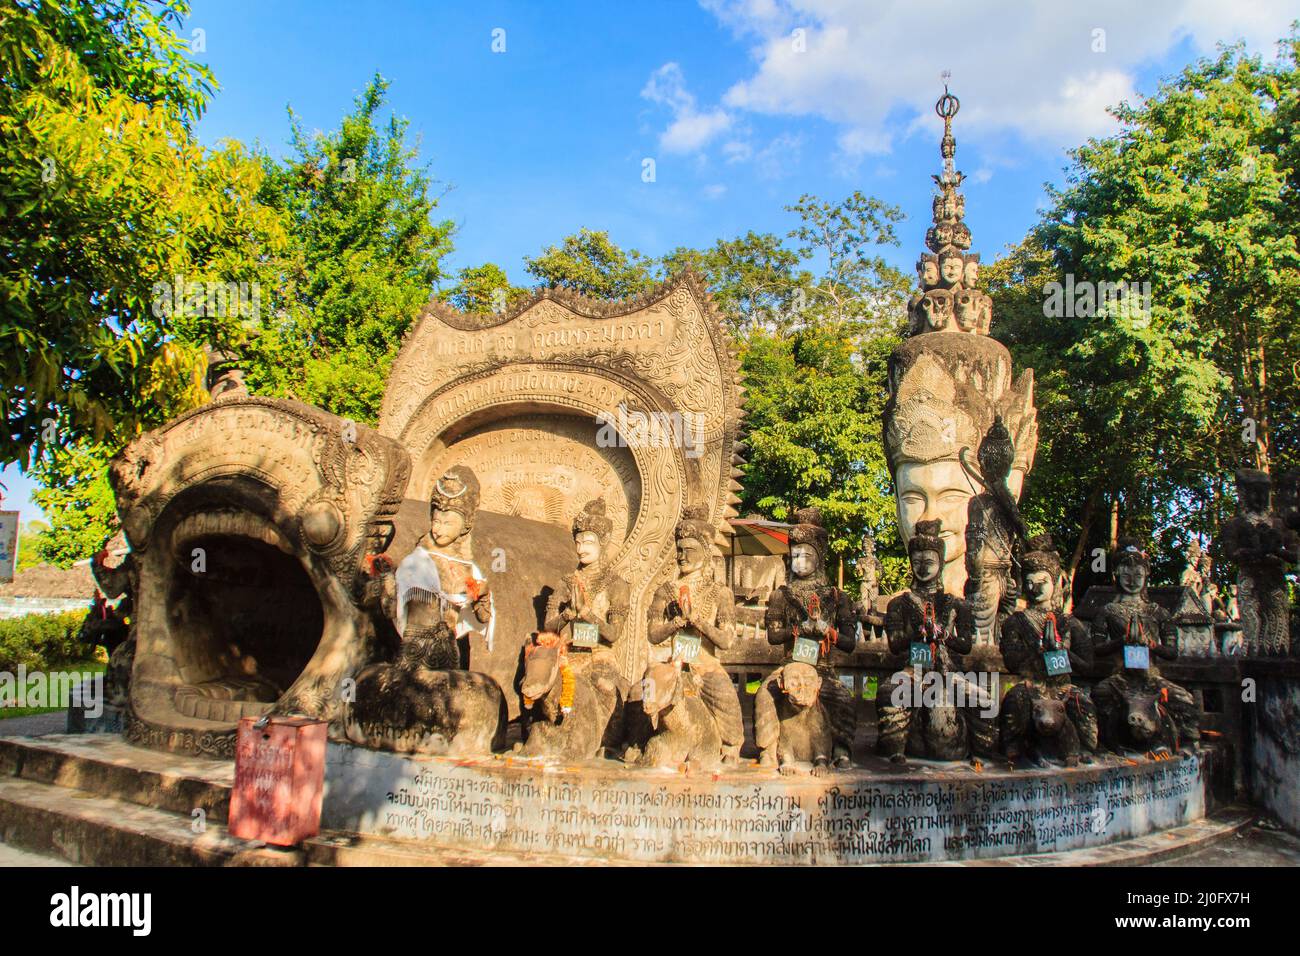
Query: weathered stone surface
x=949, y=381
x=753, y=816
x=565, y=399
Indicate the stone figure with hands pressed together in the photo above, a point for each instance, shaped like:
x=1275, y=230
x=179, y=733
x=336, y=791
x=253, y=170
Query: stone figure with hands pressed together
x=692, y=617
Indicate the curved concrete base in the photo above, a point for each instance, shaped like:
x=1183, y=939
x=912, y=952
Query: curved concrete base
x=924, y=813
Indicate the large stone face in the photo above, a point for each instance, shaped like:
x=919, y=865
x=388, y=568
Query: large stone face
x=249, y=521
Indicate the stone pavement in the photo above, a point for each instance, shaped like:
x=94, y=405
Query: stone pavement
x=35, y=726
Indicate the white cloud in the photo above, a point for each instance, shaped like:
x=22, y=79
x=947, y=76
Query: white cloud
x=1021, y=67
x=691, y=129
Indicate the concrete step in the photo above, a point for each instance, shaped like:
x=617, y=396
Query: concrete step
x=96, y=830
x=104, y=764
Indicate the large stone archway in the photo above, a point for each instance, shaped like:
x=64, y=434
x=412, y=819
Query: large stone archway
x=249, y=521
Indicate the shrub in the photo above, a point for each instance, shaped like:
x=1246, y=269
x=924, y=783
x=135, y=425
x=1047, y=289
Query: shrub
x=43, y=641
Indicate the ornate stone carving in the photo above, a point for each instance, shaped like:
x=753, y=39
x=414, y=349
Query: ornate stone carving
x=565, y=715
x=249, y=520
x=949, y=381
x=930, y=709
x=993, y=530
x=693, y=616
x=1262, y=546
x=684, y=732
x=639, y=402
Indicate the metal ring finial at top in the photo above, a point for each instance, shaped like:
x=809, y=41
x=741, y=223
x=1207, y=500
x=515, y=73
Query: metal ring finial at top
x=948, y=105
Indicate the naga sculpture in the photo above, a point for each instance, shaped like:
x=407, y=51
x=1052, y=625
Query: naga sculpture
x=809, y=618
x=1262, y=546
x=930, y=710
x=949, y=382
x=685, y=731
x=565, y=714
x=1044, y=712
x=693, y=616
x=590, y=609
x=1140, y=630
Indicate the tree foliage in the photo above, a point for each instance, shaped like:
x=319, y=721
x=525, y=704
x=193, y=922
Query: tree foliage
x=104, y=194
x=363, y=259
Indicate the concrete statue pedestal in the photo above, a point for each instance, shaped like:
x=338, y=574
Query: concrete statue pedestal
x=924, y=813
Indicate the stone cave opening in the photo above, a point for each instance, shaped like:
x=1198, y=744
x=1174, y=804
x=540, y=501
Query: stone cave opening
x=245, y=618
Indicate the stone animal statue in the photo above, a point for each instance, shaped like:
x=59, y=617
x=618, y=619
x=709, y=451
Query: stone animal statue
x=1049, y=729
x=1147, y=725
x=803, y=723
x=564, y=714
x=684, y=729
x=412, y=707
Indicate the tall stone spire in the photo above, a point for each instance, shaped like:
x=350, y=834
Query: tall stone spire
x=948, y=299
x=950, y=382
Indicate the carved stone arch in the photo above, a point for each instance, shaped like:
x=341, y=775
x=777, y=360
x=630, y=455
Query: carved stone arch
x=664, y=355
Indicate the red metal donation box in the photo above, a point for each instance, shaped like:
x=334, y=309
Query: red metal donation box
x=279, y=780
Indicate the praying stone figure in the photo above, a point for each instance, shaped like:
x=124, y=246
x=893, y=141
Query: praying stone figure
x=1138, y=631
x=930, y=710
x=590, y=606
x=809, y=618
x=993, y=526
x=438, y=583
x=1257, y=539
x=1042, y=645
x=690, y=619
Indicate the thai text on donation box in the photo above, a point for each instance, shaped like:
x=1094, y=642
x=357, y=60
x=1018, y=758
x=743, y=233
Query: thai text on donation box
x=279, y=780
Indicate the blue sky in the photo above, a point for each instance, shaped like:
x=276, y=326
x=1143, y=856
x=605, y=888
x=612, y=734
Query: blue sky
x=742, y=105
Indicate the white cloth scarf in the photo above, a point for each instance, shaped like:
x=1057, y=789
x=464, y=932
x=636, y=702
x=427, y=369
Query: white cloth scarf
x=419, y=571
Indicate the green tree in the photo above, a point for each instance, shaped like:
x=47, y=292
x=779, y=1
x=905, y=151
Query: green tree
x=594, y=265
x=484, y=288
x=755, y=279
x=75, y=493
x=1143, y=405
x=105, y=195
x=363, y=259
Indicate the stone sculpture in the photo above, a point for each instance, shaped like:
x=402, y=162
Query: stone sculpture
x=799, y=728
x=931, y=710
x=1262, y=546
x=691, y=618
x=1044, y=712
x=684, y=729
x=565, y=715
x=870, y=571
x=1140, y=630
x=949, y=381
x=993, y=530
x=809, y=618
x=415, y=706
x=438, y=582
x=590, y=606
